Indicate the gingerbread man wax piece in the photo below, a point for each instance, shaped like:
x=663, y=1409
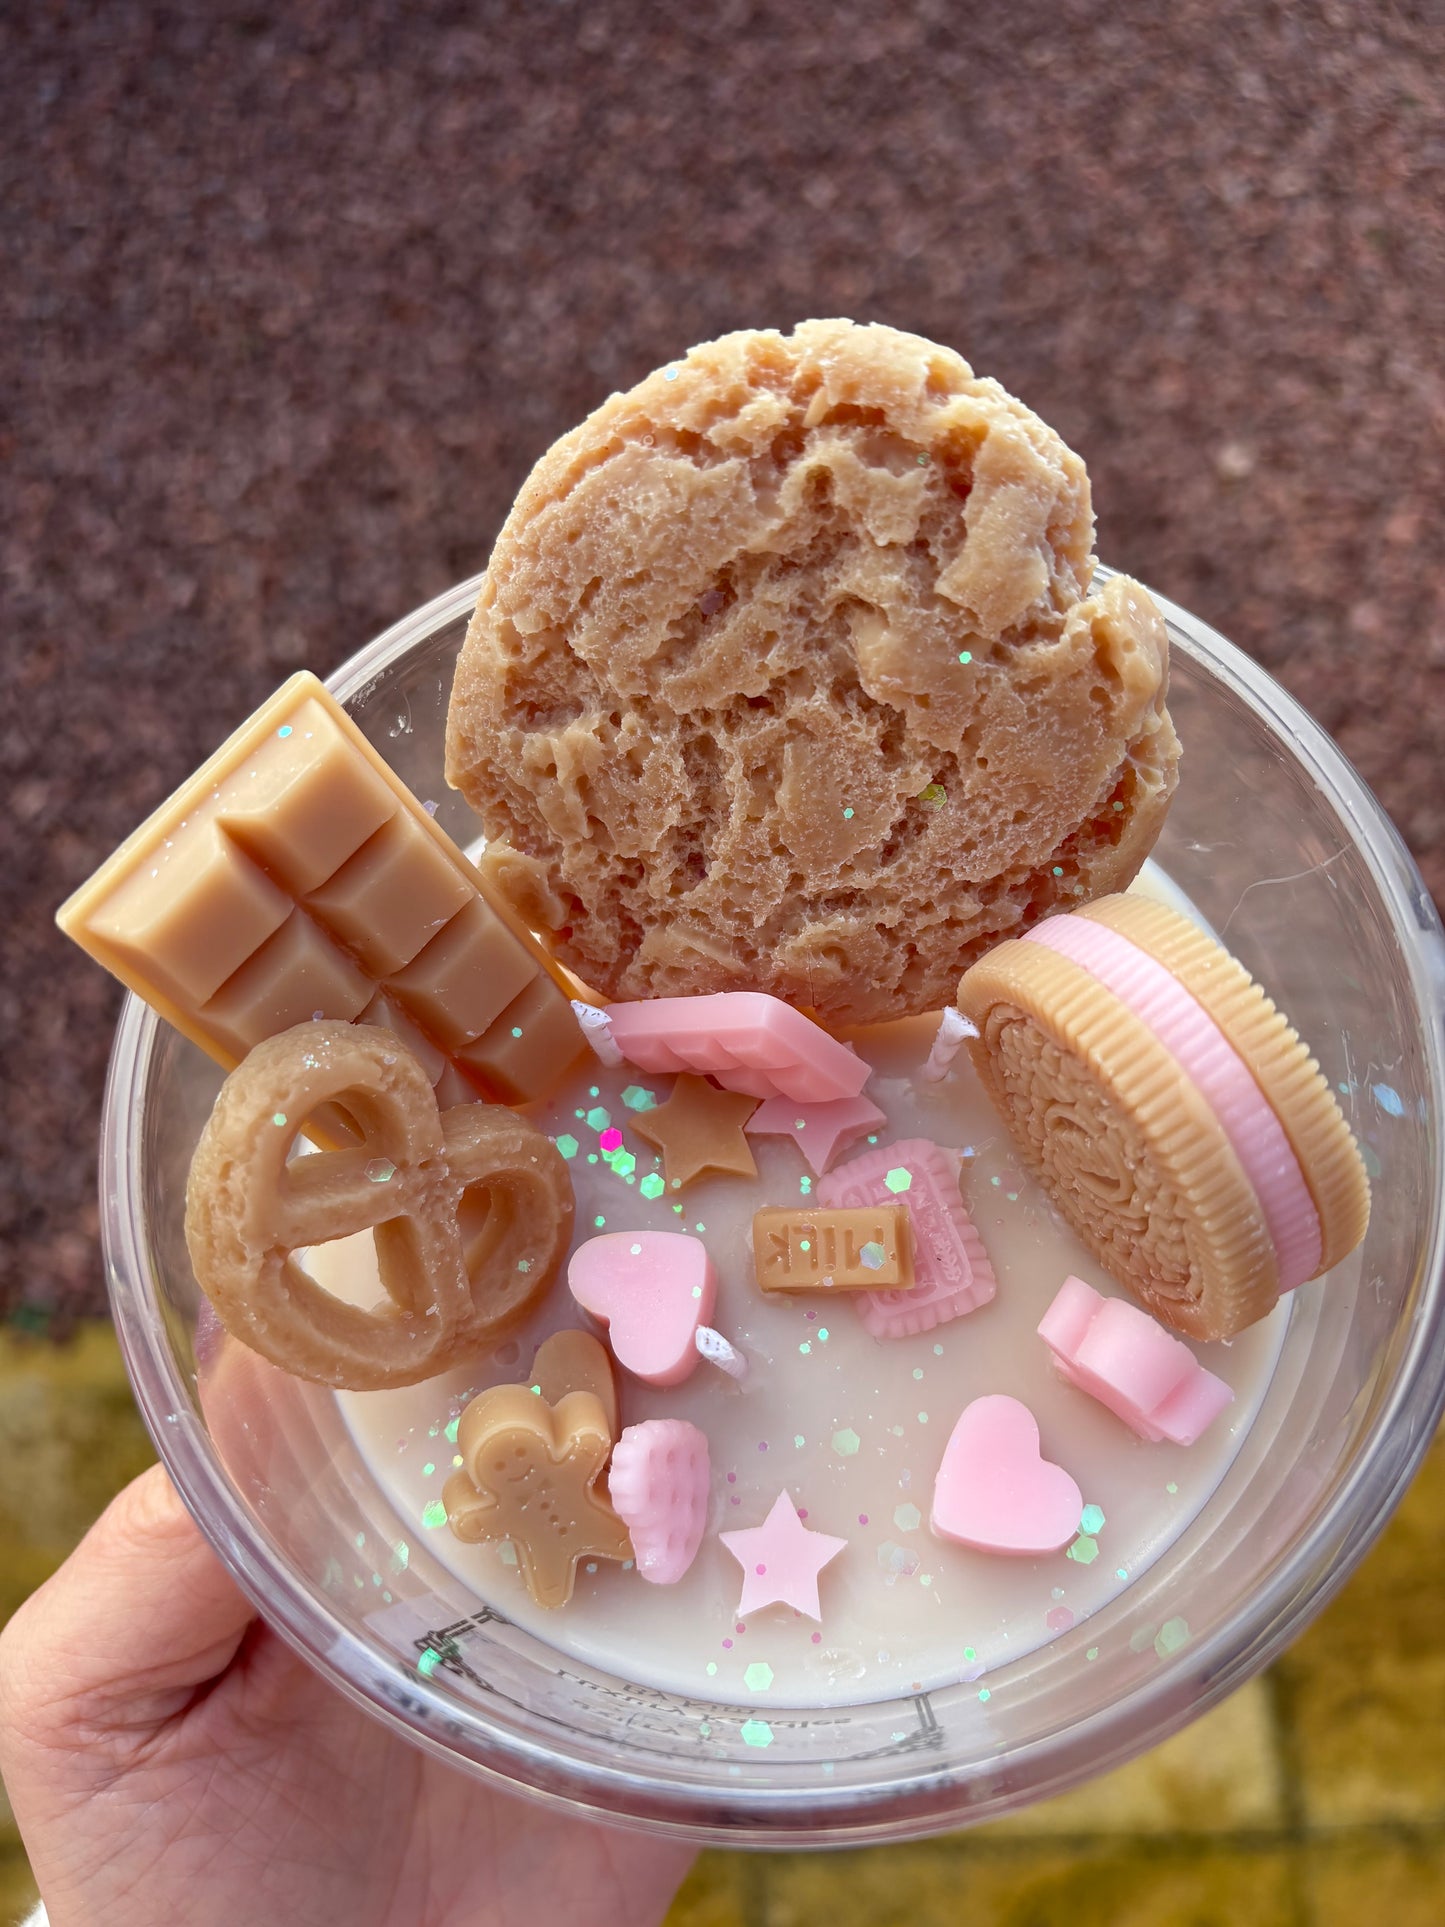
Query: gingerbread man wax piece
x=530, y=1473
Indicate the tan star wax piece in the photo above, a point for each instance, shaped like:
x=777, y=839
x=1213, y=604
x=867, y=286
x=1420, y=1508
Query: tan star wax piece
x=699, y=1128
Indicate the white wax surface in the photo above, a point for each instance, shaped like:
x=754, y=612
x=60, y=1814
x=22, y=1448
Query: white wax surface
x=902, y=1610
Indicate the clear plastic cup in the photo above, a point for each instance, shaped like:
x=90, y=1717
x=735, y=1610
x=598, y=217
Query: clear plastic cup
x=1285, y=852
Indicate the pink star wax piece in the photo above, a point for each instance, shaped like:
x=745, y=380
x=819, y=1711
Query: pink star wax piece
x=995, y=1491
x=652, y=1289
x=820, y=1131
x=781, y=1560
x=951, y=1269
x=1119, y=1355
x=747, y=1040
x=658, y=1483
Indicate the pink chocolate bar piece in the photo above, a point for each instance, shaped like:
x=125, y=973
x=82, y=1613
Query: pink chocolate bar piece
x=951, y=1268
x=1119, y=1355
x=747, y=1040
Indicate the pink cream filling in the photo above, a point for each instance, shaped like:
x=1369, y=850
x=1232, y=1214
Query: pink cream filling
x=1206, y=1056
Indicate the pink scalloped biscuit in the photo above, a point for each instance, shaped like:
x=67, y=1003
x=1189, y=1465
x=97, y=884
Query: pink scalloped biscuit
x=951, y=1268
x=995, y=1491
x=1119, y=1355
x=658, y=1482
x=747, y=1040
x=652, y=1290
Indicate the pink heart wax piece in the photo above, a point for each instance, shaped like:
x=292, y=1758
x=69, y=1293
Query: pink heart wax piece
x=658, y=1482
x=652, y=1289
x=747, y=1040
x=1122, y=1357
x=995, y=1491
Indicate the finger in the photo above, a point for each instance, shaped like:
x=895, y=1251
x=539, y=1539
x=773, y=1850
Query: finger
x=139, y=1617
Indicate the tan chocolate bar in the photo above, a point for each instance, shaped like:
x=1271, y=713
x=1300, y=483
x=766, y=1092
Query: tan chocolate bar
x=867, y=1250
x=295, y=877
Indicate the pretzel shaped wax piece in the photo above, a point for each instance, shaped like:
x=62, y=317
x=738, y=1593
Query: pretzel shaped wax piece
x=530, y=1474
x=471, y=1210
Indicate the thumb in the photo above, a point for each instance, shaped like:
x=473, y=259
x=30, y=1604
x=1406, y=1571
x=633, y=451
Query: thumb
x=141, y=1615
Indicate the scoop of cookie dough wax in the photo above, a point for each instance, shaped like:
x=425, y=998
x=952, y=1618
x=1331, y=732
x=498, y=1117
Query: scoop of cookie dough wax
x=786, y=675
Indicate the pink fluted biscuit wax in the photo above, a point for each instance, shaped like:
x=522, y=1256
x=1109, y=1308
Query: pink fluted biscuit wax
x=995, y=1491
x=658, y=1482
x=747, y=1040
x=1119, y=1355
x=652, y=1289
x=951, y=1269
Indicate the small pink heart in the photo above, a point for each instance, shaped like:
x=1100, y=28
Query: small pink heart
x=995, y=1491
x=652, y=1289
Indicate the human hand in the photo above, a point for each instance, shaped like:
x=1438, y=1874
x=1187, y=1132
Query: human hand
x=170, y=1759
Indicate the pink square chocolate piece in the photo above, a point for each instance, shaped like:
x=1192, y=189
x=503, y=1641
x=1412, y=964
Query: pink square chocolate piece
x=747, y=1040
x=952, y=1271
x=652, y=1290
x=1119, y=1355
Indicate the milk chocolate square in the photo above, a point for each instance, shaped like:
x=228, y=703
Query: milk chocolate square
x=535, y=1040
x=192, y=916
x=387, y=1014
x=388, y=901
x=296, y=975
x=466, y=977
x=304, y=801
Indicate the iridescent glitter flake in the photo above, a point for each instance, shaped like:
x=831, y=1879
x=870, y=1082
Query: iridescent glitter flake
x=900, y=1178
x=1091, y=1521
x=933, y=796
x=638, y=1099
x=598, y=1119
x=652, y=1185
x=1084, y=1551
x=846, y=1442
x=756, y=1733
x=568, y=1145
x=380, y=1170
x=758, y=1677
x=872, y=1255
x=907, y=1518
x=897, y=1562
x=434, y=1515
